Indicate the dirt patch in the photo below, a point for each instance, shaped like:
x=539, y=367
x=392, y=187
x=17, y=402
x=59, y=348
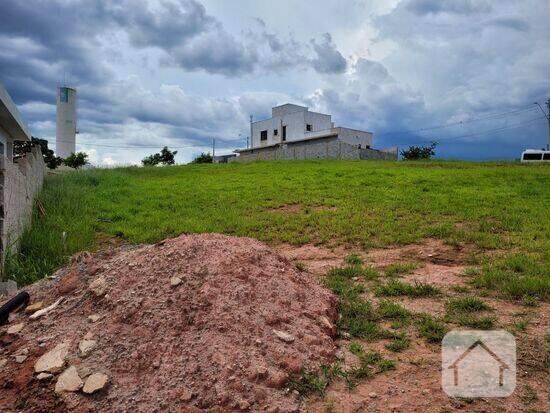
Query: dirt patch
x=195, y=323
x=318, y=260
x=431, y=250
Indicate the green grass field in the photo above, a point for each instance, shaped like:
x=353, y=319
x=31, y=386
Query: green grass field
x=502, y=206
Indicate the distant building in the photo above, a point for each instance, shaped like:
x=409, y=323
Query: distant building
x=224, y=158
x=65, y=134
x=294, y=132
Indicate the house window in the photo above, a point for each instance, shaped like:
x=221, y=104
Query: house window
x=308, y=127
x=263, y=135
x=275, y=132
x=284, y=133
x=63, y=94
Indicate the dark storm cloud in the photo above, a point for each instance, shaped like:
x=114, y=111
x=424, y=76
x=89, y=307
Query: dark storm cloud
x=328, y=59
x=510, y=23
x=464, y=7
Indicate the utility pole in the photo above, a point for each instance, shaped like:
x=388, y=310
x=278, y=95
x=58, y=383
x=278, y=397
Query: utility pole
x=251, y=136
x=547, y=116
x=213, y=147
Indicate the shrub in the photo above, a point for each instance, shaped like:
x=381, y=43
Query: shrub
x=164, y=157
x=203, y=158
x=419, y=152
x=76, y=160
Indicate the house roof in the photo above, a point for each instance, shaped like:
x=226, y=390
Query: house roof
x=10, y=118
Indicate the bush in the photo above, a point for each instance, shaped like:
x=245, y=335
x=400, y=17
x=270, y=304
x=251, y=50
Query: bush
x=203, y=158
x=76, y=160
x=164, y=157
x=419, y=152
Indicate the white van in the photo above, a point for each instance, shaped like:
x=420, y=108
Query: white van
x=535, y=155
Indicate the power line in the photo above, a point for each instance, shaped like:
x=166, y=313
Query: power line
x=493, y=116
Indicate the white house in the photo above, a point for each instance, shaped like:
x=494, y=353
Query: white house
x=291, y=123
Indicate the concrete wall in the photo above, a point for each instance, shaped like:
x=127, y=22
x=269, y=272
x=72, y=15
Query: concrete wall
x=322, y=148
x=19, y=184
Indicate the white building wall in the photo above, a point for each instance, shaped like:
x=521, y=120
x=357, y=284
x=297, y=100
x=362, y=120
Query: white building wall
x=65, y=142
x=295, y=118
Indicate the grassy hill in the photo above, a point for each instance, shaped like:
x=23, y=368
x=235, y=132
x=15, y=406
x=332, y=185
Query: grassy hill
x=496, y=206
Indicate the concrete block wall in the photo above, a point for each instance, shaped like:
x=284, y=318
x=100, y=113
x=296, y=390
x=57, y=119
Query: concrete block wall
x=20, y=183
x=323, y=148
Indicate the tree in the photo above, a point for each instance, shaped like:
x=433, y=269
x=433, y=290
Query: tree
x=76, y=160
x=165, y=157
x=419, y=152
x=203, y=158
x=52, y=161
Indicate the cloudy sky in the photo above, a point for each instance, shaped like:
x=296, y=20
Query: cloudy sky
x=181, y=72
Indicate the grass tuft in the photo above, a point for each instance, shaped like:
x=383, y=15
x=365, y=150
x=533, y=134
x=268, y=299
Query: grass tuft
x=431, y=329
x=466, y=305
x=396, y=288
x=398, y=269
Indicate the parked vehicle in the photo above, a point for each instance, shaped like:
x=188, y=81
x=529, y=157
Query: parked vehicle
x=535, y=155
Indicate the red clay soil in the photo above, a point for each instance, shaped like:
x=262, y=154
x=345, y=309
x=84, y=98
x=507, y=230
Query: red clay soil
x=206, y=344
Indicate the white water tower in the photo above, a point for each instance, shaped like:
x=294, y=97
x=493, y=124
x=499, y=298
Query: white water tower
x=65, y=134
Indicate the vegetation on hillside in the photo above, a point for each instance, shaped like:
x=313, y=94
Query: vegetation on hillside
x=496, y=206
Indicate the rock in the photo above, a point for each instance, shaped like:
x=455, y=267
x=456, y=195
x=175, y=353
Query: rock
x=276, y=379
x=89, y=335
x=425, y=391
x=20, y=359
x=287, y=338
x=327, y=325
x=99, y=286
x=46, y=310
x=373, y=395
x=44, y=376
x=8, y=288
x=94, y=317
x=68, y=381
x=54, y=360
x=3, y=362
x=175, y=281
x=86, y=346
x=34, y=307
x=16, y=328
x=95, y=382
x=186, y=394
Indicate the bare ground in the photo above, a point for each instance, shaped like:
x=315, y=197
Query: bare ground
x=415, y=385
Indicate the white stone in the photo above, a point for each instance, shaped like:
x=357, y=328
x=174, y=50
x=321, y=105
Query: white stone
x=86, y=346
x=54, y=360
x=44, y=376
x=68, y=381
x=175, y=281
x=95, y=382
x=20, y=359
x=16, y=328
x=3, y=362
x=93, y=318
x=287, y=338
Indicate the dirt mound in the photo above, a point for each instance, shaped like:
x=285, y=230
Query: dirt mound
x=194, y=323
